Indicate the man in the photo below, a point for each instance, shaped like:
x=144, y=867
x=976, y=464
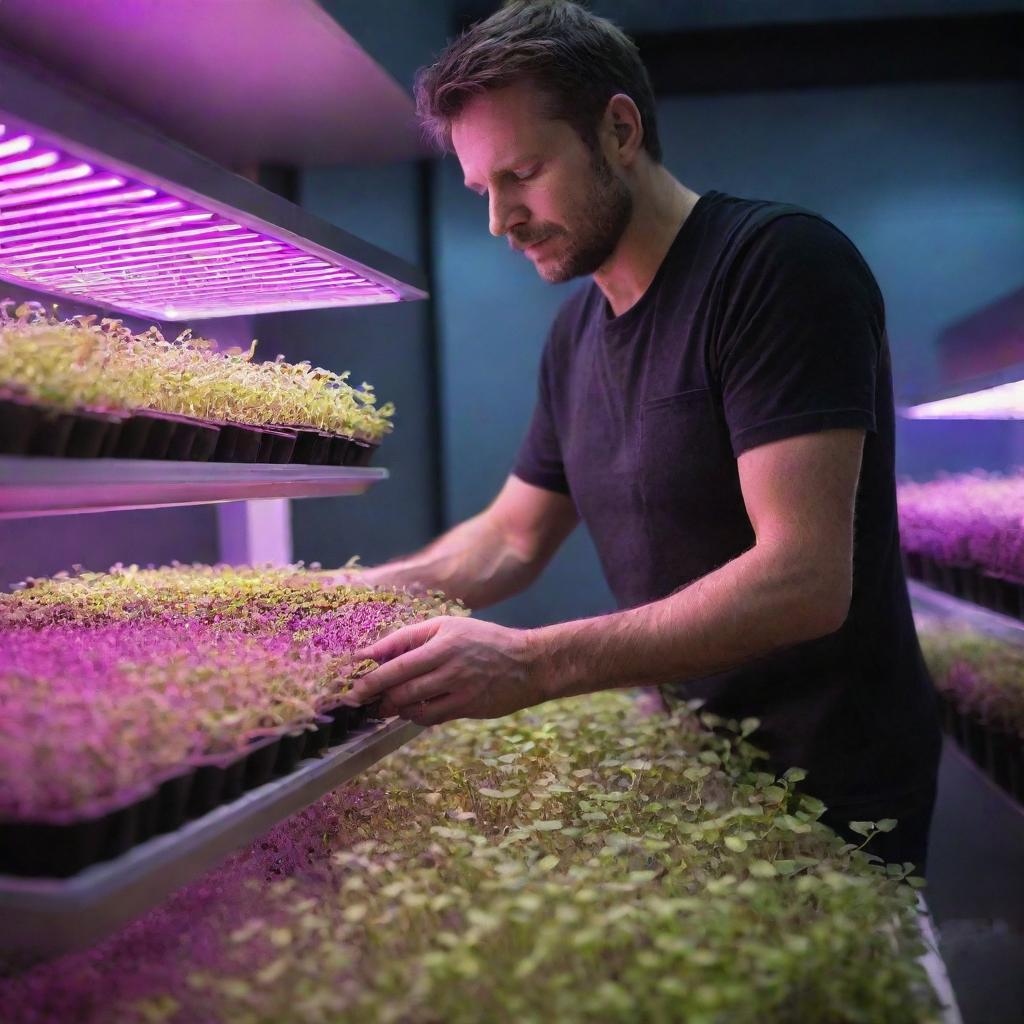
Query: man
x=716, y=407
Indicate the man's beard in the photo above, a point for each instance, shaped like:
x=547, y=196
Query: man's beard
x=602, y=216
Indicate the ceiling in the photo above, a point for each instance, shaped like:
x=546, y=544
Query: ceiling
x=645, y=16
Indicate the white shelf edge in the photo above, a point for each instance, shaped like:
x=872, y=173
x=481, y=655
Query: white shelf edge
x=945, y=606
x=935, y=966
x=41, y=486
x=48, y=917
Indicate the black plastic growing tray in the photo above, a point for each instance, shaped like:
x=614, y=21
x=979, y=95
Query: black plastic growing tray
x=34, y=429
x=45, y=917
x=968, y=583
x=61, y=848
x=996, y=751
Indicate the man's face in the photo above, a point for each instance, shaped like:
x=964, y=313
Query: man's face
x=555, y=200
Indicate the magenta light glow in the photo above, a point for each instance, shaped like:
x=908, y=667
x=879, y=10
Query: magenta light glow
x=75, y=229
x=18, y=144
x=30, y=163
x=1002, y=402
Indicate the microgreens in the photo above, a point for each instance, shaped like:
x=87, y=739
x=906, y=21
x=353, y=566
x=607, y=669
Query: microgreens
x=570, y=863
x=981, y=675
x=87, y=363
x=110, y=680
x=969, y=519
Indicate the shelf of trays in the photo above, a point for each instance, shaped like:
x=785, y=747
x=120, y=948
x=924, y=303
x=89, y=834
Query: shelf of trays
x=969, y=584
x=992, y=748
x=46, y=917
x=942, y=605
x=39, y=486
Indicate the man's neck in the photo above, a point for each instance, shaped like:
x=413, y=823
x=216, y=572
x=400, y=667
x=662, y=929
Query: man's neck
x=661, y=205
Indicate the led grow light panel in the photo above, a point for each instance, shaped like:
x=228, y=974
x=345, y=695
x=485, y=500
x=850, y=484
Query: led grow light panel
x=71, y=227
x=1000, y=402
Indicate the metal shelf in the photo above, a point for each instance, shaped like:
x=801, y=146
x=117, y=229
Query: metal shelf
x=945, y=606
x=935, y=966
x=983, y=780
x=47, y=917
x=37, y=486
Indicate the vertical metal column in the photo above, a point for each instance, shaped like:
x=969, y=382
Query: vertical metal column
x=255, y=532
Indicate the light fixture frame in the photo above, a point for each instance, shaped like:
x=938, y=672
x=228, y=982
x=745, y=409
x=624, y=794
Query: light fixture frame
x=34, y=101
x=965, y=400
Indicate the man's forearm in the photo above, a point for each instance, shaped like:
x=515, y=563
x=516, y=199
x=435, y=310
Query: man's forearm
x=474, y=561
x=756, y=604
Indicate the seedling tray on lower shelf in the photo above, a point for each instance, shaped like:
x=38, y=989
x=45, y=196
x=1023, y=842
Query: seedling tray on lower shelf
x=996, y=752
x=60, y=848
x=969, y=583
x=49, y=916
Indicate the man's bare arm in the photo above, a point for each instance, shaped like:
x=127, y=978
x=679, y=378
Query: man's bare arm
x=793, y=585
x=493, y=555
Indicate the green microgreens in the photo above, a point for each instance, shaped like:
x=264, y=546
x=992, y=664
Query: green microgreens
x=575, y=863
x=82, y=363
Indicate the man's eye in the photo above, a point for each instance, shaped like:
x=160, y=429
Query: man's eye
x=525, y=175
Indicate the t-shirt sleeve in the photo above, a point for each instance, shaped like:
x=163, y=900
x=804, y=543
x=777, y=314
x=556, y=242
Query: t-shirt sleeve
x=539, y=460
x=801, y=335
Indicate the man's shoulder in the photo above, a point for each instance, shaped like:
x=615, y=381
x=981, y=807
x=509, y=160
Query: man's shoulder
x=779, y=225
x=763, y=238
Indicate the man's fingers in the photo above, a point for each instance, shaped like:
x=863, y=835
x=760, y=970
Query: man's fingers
x=400, y=642
x=397, y=671
x=434, y=712
x=429, y=686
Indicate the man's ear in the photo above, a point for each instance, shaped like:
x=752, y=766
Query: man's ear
x=623, y=128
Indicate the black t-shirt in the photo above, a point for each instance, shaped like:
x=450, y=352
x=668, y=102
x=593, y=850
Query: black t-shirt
x=763, y=322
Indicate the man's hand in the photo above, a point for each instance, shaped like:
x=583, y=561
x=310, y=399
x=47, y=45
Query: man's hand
x=450, y=667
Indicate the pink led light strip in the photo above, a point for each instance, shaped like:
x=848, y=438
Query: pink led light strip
x=69, y=227
x=1000, y=402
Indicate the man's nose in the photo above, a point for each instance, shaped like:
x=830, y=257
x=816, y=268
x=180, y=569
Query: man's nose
x=504, y=214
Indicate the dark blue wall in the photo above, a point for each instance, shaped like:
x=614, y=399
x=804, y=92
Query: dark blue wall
x=638, y=16
x=385, y=345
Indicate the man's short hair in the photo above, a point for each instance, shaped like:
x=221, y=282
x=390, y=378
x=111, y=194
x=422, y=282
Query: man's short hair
x=576, y=60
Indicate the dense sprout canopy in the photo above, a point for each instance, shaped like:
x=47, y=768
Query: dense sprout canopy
x=99, y=363
x=570, y=863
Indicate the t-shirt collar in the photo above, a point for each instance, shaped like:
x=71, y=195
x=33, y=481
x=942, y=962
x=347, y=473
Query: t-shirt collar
x=680, y=245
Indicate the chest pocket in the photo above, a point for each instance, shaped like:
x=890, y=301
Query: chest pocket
x=694, y=516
